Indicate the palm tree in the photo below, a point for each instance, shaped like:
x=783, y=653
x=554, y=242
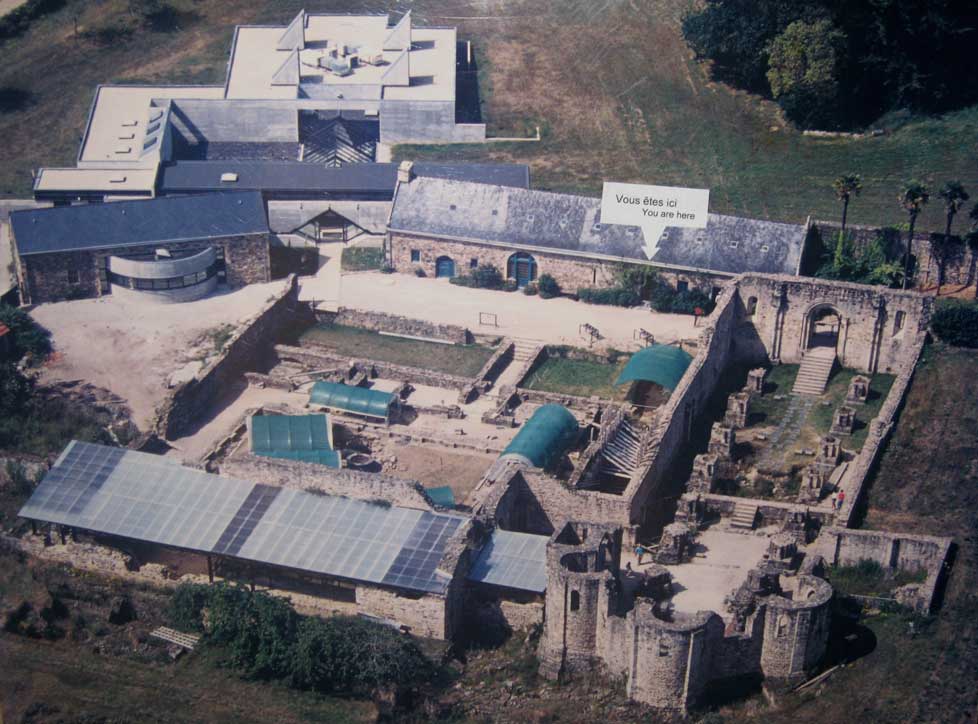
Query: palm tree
x=845, y=186
x=954, y=196
x=913, y=198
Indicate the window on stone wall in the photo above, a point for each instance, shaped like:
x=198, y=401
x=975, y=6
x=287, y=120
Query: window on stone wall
x=72, y=275
x=752, y=306
x=473, y=263
x=415, y=255
x=898, y=320
x=663, y=647
x=575, y=602
x=682, y=286
x=782, y=625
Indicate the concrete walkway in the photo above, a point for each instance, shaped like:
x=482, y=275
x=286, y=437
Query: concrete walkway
x=551, y=321
x=325, y=287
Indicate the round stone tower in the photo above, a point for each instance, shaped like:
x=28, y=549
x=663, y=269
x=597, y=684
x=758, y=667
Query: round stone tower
x=670, y=662
x=796, y=628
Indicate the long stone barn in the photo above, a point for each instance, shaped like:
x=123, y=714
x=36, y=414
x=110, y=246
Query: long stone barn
x=446, y=228
x=171, y=249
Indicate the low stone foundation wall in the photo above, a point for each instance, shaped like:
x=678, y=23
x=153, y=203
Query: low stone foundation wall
x=395, y=324
x=249, y=350
x=771, y=512
x=314, y=356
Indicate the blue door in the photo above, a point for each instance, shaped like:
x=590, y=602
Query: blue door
x=444, y=267
x=522, y=267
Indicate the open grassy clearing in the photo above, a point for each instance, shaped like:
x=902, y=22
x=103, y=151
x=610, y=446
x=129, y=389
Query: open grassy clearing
x=578, y=377
x=835, y=393
x=362, y=258
x=362, y=343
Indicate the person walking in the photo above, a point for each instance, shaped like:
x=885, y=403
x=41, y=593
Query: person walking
x=840, y=499
x=639, y=552
x=834, y=497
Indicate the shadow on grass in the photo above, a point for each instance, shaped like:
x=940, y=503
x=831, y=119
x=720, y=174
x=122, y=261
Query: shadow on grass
x=14, y=99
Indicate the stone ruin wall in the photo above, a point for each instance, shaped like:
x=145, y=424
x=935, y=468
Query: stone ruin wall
x=249, y=349
x=396, y=324
x=894, y=552
x=869, y=337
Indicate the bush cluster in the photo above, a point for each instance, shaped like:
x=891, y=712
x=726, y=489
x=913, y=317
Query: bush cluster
x=548, y=287
x=956, y=322
x=17, y=20
x=614, y=296
x=667, y=299
x=264, y=638
x=484, y=277
x=29, y=337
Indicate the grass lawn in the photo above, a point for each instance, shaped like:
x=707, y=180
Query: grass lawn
x=465, y=361
x=578, y=377
x=764, y=409
x=821, y=415
x=362, y=258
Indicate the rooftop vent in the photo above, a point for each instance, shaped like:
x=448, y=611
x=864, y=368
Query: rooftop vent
x=123, y=149
x=117, y=180
x=130, y=124
x=127, y=136
x=495, y=212
x=229, y=178
x=163, y=253
x=734, y=244
x=765, y=247
x=452, y=207
x=596, y=227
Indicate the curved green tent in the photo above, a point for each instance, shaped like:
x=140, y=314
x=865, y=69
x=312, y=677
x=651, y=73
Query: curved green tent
x=294, y=437
x=661, y=363
x=545, y=437
x=358, y=400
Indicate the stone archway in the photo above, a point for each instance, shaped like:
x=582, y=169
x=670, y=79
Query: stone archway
x=823, y=327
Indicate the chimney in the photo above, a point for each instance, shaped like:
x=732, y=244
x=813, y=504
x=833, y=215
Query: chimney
x=405, y=172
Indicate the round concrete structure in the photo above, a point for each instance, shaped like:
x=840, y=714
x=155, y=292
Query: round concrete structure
x=167, y=281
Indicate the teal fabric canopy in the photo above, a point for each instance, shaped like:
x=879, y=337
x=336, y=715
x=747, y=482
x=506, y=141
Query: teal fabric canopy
x=546, y=436
x=442, y=496
x=661, y=363
x=294, y=437
x=358, y=400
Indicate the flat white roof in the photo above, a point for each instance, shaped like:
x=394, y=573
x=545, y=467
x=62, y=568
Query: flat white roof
x=96, y=179
x=119, y=119
x=255, y=60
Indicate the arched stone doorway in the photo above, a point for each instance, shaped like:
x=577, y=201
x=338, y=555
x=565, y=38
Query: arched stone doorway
x=522, y=267
x=824, y=323
x=444, y=267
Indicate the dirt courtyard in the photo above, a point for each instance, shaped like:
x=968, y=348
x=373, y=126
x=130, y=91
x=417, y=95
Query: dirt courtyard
x=435, y=467
x=133, y=349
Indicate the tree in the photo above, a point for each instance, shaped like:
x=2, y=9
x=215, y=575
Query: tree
x=953, y=195
x=914, y=197
x=845, y=186
x=973, y=245
x=29, y=337
x=803, y=71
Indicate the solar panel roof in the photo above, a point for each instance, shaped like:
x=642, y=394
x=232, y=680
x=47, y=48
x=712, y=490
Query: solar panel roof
x=513, y=560
x=147, y=497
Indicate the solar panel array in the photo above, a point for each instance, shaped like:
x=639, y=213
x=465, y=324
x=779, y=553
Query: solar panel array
x=147, y=497
x=513, y=560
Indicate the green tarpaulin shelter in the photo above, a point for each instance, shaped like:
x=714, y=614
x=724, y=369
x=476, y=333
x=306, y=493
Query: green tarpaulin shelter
x=307, y=438
x=662, y=364
x=358, y=400
x=546, y=436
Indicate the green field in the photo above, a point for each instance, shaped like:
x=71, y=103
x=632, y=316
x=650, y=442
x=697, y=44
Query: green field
x=578, y=377
x=362, y=258
x=362, y=343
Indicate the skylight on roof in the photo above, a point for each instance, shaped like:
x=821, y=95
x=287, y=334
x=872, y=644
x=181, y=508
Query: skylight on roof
x=229, y=178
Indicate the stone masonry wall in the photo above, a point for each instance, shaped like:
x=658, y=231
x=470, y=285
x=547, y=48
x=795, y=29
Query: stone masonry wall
x=249, y=350
x=877, y=325
x=380, y=322
x=571, y=272
x=424, y=615
x=44, y=277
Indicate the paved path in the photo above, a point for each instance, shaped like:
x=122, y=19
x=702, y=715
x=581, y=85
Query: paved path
x=553, y=321
x=787, y=431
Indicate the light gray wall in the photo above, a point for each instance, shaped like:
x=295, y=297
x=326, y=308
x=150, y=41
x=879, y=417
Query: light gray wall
x=163, y=268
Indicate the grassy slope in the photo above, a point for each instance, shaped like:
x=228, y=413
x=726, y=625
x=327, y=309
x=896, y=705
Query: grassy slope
x=619, y=98
x=578, y=377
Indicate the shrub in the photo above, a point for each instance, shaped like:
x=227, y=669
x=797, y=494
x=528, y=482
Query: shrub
x=615, y=296
x=531, y=290
x=419, y=272
x=689, y=301
x=486, y=277
x=548, y=286
x=956, y=322
x=264, y=638
x=510, y=285
x=29, y=337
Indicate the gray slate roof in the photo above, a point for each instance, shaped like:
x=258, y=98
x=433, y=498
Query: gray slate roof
x=565, y=223
x=133, y=223
x=296, y=177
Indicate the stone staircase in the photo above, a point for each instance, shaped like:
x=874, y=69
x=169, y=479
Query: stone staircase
x=814, y=372
x=744, y=516
x=620, y=456
x=523, y=349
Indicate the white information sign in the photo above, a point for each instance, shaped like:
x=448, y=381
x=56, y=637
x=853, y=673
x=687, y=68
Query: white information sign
x=653, y=208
